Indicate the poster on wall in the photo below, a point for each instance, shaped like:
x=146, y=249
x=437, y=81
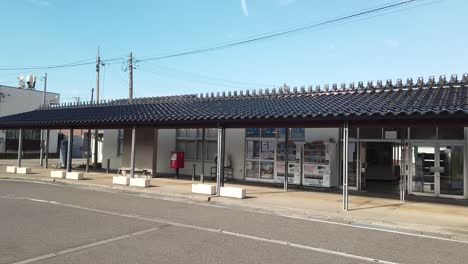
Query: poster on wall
x=268, y=150
x=266, y=170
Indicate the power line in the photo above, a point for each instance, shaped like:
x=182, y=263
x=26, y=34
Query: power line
x=67, y=65
x=192, y=75
x=185, y=78
x=285, y=32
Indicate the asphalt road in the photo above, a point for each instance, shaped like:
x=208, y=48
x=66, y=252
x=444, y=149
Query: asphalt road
x=55, y=223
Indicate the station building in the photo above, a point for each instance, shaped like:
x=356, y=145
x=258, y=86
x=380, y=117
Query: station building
x=404, y=137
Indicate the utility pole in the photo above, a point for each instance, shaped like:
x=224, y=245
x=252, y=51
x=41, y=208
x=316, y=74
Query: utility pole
x=88, y=151
x=130, y=77
x=41, y=154
x=96, y=131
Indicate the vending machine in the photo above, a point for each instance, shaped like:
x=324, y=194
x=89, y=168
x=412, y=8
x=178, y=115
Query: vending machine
x=319, y=164
x=294, y=162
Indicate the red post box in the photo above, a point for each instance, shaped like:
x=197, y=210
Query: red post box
x=177, y=160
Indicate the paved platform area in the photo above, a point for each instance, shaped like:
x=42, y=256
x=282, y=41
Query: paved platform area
x=444, y=220
x=63, y=223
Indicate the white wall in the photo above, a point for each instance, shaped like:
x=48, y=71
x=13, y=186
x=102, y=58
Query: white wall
x=235, y=145
x=166, y=144
x=145, y=148
x=110, y=147
x=14, y=100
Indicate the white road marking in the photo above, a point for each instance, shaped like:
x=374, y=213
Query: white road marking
x=177, y=224
x=90, y=245
x=253, y=210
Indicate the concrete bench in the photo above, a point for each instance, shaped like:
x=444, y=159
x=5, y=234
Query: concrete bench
x=204, y=189
x=23, y=170
x=233, y=192
x=140, y=182
x=124, y=170
x=74, y=175
x=11, y=169
x=58, y=174
x=121, y=180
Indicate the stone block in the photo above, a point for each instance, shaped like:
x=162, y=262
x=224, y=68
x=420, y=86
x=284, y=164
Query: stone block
x=11, y=169
x=23, y=170
x=58, y=174
x=204, y=189
x=140, y=182
x=121, y=180
x=233, y=192
x=74, y=175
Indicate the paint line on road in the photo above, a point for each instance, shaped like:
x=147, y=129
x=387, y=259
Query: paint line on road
x=253, y=210
x=177, y=224
x=82, y=247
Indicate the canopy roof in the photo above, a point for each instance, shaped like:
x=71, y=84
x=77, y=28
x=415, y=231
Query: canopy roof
x=430, y=102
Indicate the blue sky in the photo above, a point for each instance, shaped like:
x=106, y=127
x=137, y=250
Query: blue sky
x=427, y=40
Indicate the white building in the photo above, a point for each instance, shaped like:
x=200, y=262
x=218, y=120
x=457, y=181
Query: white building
x=15, y=100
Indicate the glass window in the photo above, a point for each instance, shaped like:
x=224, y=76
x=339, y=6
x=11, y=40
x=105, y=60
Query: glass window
x=294, y=133
x=452, y=133
x=119, y=142
x=180, y=133
x=423, y=133
x=267, y=149
x=451, y=173
x=211, y=133
x=370, y=133
x=252, y=132
x=252, y=169
x=190, y=142
x=268, y=132
x=190, y=150
x=212, y=149
x=352, y=132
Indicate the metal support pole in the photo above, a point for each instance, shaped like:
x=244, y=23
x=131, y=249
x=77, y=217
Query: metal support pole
x=41, y=154
x=223, y=154
x=88, y=150
x=47, y=148
x=20, y=147
x=108, y=166
x=132, y=157
x=286, y=159
x=96, y=147
x=202, y=169
x=404, y=164
x=41, y=149
x=220, y=159
x=345, y=166
x=70, y=151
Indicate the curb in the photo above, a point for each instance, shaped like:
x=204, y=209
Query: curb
x=458, y=235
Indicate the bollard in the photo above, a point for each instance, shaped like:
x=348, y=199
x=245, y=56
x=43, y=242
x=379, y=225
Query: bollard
x=108, y=165
x=193, y=171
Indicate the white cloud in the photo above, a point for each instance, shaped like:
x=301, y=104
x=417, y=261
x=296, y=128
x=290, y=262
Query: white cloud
x=244, y=7
x=40, y=2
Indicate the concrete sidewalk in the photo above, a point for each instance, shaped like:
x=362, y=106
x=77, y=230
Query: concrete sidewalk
x=442, y=220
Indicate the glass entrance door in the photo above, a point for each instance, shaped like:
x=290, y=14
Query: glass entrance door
x=451, y=180
x=423, y=169
x=437, y=170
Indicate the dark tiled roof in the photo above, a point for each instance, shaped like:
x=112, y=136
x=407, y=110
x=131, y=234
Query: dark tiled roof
x=382, y=101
